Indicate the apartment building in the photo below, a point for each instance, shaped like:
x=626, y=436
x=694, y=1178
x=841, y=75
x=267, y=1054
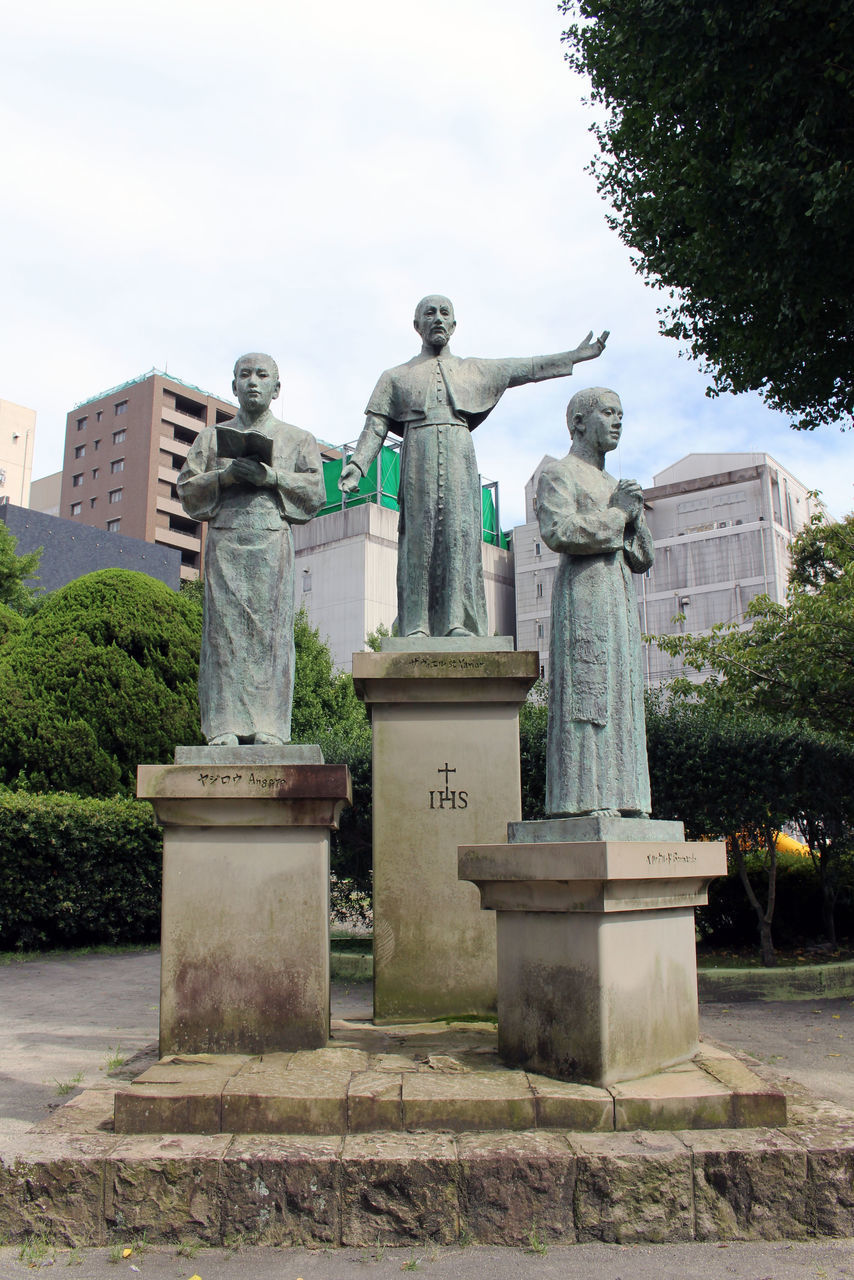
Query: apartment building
x=124, y=449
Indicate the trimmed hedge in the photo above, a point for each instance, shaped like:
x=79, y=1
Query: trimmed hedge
x=76, y=871
x=729, y=920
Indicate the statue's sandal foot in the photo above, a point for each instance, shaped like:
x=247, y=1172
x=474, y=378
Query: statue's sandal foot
x=268, y=740
x=459, y=631
x=223, y=740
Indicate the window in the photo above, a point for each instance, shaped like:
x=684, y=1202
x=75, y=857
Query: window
x=538, y=548
x=77, y=480
x=95, y=471
x=119, y=436
x=540, y=632
x=115, y=495
x=99, y=415
x=121, y=407
x=542, y=671
x=97, y=445
x=113, y=526
x=118, y=464
x=539, y=590
x=81, y=423
x=76, y=508
x=80, y=451
x=92, y=501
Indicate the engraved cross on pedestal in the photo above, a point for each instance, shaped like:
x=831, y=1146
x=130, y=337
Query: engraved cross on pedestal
x=452, y=799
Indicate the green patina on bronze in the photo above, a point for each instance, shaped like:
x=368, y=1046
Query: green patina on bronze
x=434, y=402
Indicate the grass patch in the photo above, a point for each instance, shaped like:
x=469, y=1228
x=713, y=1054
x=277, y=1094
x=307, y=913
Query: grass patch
x=97, y=949
x=787, y=957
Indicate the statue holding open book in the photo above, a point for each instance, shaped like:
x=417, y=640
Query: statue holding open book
x=250, y=479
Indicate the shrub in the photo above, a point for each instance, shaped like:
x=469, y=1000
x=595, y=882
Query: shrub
x=76, y=871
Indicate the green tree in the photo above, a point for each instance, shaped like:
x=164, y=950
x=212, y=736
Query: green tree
x=726, y=154
x=324, y=699
x=14, y=570
x=102, y=678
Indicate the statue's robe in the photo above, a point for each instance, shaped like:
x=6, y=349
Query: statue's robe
x=434, y=403
x=596, y=733
x=246, y=673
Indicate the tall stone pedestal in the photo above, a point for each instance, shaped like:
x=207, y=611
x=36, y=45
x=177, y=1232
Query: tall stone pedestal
x=245, y=928
x=445, y=773
x=597, y=970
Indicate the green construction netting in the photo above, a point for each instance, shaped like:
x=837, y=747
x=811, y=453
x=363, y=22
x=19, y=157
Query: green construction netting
x=385, y=493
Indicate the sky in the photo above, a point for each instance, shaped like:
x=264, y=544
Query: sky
x=184, y=182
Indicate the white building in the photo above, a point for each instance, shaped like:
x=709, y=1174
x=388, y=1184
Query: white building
x=17, y=440
x=722, y=525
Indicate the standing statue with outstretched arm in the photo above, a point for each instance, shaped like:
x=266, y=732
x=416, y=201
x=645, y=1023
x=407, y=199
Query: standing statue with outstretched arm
x=434, y=402
x=250, y=479
x=596, y=761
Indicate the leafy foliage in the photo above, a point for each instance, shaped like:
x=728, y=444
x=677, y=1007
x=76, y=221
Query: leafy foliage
x=323, y=698
x=726, y=154
x=76, y=871
x=101, y=678
x=14, y=570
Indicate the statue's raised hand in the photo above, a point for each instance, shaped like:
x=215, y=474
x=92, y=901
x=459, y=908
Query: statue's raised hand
x=589, y=348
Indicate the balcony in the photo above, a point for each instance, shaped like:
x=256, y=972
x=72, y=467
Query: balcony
x=170, y=538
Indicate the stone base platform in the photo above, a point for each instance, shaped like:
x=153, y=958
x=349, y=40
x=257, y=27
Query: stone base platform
x=76, y=1182
x=429, y=1077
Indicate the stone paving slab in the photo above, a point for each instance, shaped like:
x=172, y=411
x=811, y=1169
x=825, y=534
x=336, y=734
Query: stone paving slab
x=428, y=1077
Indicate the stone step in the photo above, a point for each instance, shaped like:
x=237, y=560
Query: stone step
x=427, y=1077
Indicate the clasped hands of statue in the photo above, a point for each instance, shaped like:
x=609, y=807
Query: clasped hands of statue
x=246, y=471
x=628, y=496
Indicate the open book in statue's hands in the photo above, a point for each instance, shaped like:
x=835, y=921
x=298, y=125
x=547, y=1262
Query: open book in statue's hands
x=231, y=442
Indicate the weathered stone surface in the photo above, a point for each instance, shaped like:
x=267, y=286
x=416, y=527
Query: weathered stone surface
x=374, y=1102
x=54, y=1185
x=748, y=1185
x=755, y=1104
x=514, y=1184
x=830, y=1191
x=683, y=1097
x=633, y=1187
x=468, y=1100
x=189, y=1106
x=283, y=1093
x=166, y=1187
x=282, y=1190
x=561, y=1105
x=435, y=787
x=397, y=1188
x=90, y=1112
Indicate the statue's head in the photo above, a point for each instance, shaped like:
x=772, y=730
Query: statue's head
x=256, y=381
x=434, y=319
x=596, y=414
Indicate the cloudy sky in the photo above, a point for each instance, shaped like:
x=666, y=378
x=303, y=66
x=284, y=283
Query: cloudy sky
x=182, y=182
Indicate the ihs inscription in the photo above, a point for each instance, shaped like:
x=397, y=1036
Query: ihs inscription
x=447, y=798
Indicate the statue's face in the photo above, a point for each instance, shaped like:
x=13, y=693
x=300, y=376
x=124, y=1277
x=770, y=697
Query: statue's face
x=434, y=320
x=603, y=424
x=256, y=382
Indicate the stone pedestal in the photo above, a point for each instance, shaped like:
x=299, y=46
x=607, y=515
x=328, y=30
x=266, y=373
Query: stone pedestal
x=245, y=925
x=597, y=970
x=445, y=773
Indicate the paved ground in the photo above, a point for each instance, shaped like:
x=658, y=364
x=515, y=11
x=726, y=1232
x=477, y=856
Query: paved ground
x=64, y=1021
x=826, y=1260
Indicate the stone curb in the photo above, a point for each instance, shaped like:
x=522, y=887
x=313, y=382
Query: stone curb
x=715, y=985
x=825, y=981
x=93, y=1187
